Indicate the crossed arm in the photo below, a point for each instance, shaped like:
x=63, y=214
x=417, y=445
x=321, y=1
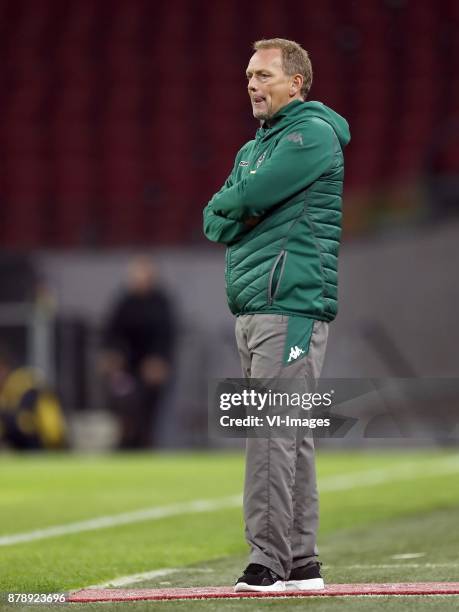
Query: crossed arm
x=221, y=229
x=297, y=161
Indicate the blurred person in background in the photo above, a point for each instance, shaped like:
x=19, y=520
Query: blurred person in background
x=279, y=214
x=31, y=415
x=137, y=357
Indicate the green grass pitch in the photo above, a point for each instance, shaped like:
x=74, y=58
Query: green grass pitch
x=374, y=506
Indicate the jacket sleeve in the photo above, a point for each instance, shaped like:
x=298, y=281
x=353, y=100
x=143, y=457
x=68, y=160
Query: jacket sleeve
x=299, y=158
x=219, y=228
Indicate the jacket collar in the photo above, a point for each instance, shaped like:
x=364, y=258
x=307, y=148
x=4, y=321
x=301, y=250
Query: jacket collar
x=282, y=115
x=285, y=111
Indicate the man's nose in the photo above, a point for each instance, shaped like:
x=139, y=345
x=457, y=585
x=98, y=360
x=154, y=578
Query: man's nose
x=251, y=85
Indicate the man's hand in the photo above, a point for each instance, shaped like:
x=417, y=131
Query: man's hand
x=110, y=362
x=221, y=229
x=154, y=370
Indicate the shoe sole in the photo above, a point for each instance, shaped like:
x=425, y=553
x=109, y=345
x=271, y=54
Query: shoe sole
x=313, y=584
x=242, y=587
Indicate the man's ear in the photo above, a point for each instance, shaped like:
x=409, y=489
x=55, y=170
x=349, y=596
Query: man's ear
x=296, y=84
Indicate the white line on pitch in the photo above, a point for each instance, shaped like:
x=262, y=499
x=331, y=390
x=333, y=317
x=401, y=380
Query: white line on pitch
x=332, y=483
x=126, y=518
x=392, y=474
x=409, y=555
x=142, y=577
x=133, y=578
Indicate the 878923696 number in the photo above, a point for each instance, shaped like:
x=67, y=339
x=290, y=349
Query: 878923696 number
x=39, y=598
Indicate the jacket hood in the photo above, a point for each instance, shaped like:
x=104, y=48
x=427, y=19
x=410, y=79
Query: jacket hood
x=337, y=122
x=299, y=111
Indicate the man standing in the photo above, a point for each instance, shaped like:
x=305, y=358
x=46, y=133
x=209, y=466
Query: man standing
x=279, y=213
x=137, y=358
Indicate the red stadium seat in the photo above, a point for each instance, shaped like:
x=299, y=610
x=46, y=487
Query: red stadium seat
x=113, y=114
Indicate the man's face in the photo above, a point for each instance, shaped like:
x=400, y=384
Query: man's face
x=269, y=87
x=141, y=275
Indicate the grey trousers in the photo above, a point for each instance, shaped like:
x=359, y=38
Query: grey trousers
x=280, y=491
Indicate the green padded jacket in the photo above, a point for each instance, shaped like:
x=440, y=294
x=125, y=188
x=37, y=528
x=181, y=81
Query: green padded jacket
x=290, y=179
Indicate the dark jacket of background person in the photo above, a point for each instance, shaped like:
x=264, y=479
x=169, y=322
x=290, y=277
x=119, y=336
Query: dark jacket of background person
x=138, y=343
x=141, y=326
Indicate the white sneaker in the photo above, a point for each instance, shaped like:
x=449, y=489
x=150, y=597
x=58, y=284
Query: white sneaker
x=305, y=578
x=259, y=578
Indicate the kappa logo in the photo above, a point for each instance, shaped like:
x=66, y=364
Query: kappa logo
x=243, y=163
x=295, y=352
x=295, y=137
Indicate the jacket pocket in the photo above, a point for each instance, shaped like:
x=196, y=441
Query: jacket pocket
x=275, y=276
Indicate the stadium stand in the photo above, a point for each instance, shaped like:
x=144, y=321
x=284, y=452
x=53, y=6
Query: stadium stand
x=119, y=119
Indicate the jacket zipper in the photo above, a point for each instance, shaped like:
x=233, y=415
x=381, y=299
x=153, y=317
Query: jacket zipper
x=227, y=266
x=282, y=257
